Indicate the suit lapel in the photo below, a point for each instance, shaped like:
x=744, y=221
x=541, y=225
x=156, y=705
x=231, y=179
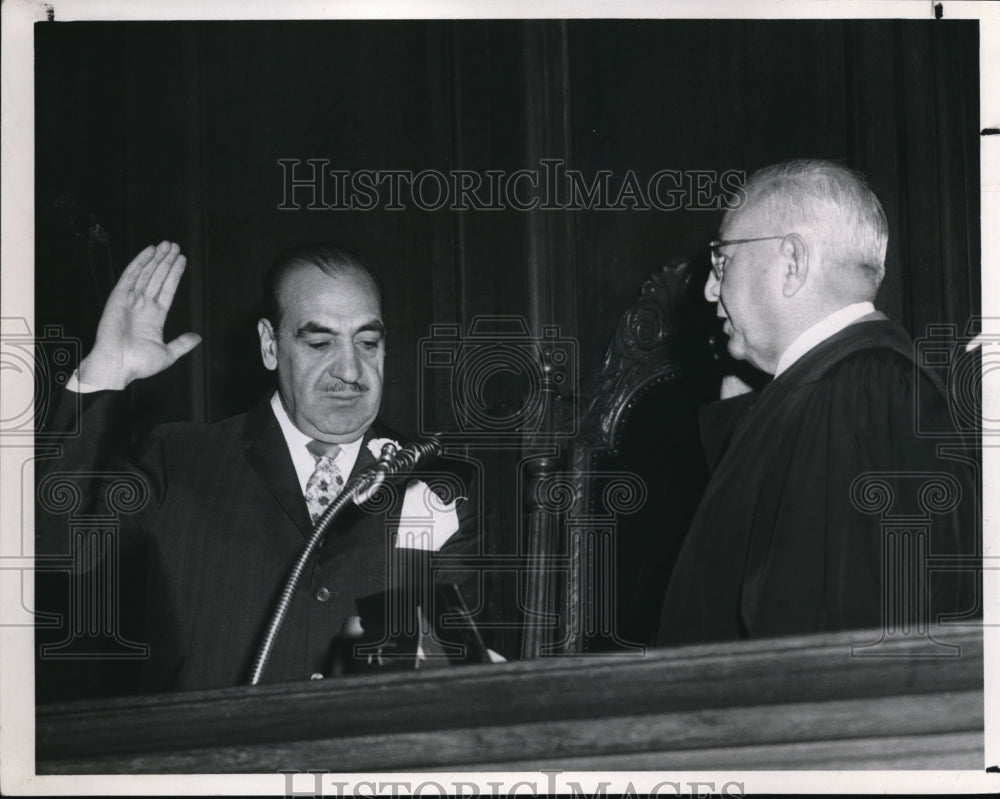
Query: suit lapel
x=365, y=457
x=268, y=454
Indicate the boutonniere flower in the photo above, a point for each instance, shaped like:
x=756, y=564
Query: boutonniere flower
x=376, y=444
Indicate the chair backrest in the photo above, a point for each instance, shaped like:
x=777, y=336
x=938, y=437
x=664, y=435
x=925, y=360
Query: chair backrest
x=637, y=466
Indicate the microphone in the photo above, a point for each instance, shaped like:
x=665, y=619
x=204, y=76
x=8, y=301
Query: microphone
x=392, y=460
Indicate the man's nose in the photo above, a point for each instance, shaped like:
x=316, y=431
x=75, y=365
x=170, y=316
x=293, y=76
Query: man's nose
x=346, y=365
x=712, y=286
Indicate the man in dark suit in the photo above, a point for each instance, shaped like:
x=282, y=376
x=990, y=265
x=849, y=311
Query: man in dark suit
x=226, y=508
x=789, y=536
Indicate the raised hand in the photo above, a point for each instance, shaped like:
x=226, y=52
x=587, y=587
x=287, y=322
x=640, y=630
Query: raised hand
x=129, y=343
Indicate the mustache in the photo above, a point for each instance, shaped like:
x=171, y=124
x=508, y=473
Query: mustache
x=339, y=386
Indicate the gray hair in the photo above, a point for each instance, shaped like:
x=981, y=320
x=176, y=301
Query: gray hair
x=833, y=201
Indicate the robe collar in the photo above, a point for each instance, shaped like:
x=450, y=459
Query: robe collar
x=827, y=326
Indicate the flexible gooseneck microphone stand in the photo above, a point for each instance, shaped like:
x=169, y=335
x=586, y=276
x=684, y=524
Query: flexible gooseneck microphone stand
x=391, y=461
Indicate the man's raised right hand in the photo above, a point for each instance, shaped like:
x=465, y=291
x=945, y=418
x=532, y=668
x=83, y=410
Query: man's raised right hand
x=129, y=343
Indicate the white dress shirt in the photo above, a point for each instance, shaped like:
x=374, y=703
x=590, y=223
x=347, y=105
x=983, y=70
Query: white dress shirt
x=821, y=331
x=303, y=459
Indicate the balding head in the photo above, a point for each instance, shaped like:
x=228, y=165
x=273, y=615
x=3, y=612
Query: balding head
x=808, y=239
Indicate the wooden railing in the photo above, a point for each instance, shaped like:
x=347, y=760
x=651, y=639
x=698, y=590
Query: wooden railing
x=790, y=703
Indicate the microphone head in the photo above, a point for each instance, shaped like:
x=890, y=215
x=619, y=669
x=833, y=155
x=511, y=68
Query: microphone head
x=389, y=450
x=416, y=452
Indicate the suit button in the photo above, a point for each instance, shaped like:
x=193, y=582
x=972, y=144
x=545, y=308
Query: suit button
x=323, y=594
x=316, y=676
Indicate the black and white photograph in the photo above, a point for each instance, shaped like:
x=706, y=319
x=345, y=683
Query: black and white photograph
x=516, y=399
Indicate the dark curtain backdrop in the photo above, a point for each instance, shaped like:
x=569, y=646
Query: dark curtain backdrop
x=148, y=131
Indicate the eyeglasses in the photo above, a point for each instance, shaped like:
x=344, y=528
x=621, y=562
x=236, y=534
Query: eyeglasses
x=719, y=259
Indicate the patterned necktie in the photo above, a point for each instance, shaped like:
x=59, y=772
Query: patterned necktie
x=325, y=483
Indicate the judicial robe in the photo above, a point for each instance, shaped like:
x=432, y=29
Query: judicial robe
x=777, y=545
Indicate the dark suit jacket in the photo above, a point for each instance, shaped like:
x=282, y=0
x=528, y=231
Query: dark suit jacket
x=223, y=523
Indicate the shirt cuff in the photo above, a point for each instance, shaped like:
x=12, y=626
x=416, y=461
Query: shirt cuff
x=74, y=385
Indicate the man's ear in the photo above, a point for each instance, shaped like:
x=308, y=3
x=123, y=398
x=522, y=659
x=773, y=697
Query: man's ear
x=268, y=344
x=796, y=266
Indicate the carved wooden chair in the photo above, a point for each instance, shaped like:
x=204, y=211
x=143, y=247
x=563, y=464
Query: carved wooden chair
x=633, y=475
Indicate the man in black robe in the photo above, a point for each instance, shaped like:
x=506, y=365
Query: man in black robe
x=797, y=530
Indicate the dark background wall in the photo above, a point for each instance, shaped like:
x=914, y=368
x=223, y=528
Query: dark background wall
x=174, y=130
x=148, y=131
